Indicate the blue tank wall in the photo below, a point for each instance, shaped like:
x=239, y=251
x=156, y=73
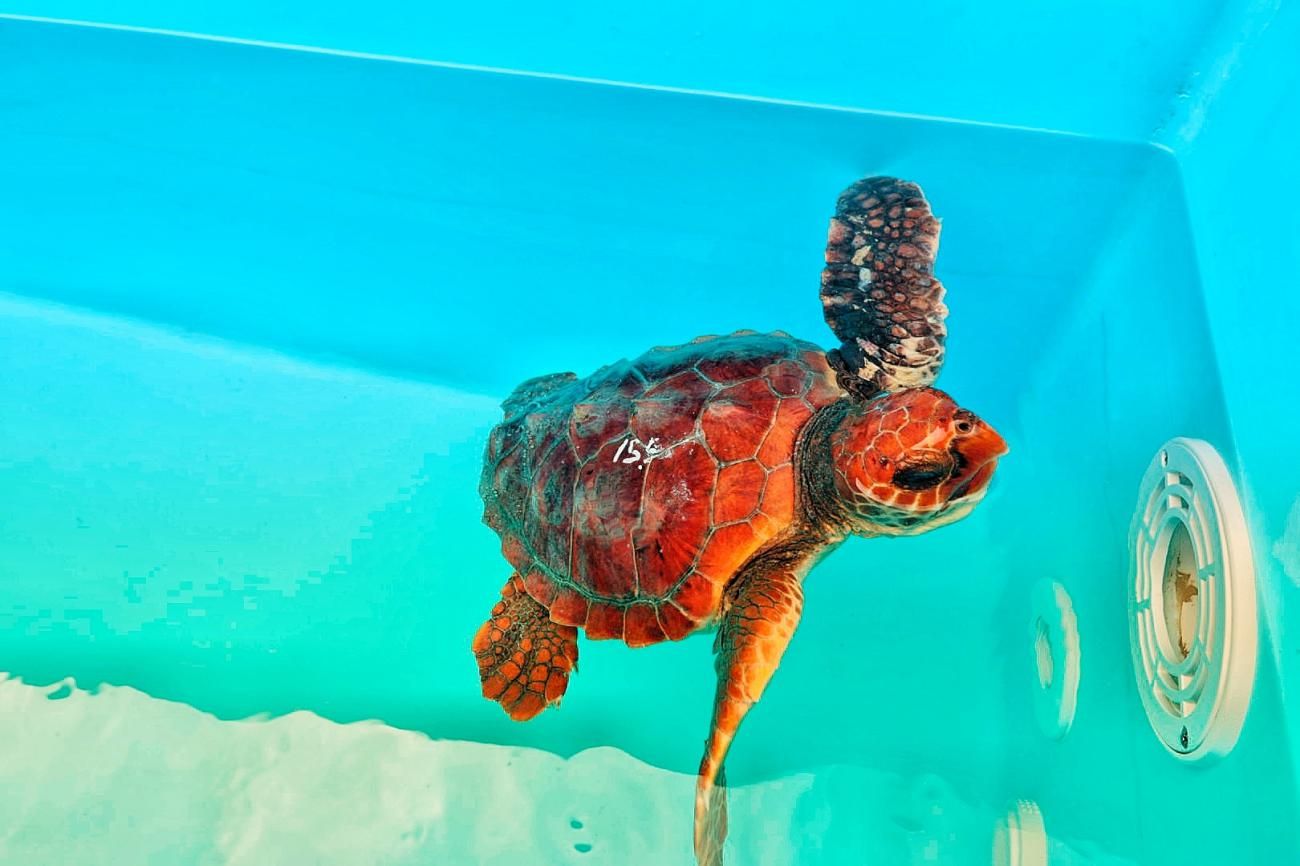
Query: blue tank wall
x=1212, y=85
x=1134, y=366
x=1108, y=68
x=1235, y=137
x=346, y=208
x=272, y=184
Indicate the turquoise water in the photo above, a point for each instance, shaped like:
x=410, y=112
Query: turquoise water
x=259, y=309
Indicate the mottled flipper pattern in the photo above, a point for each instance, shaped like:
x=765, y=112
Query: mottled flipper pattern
x=524, y=659
x=763, y=609
x=879, y=292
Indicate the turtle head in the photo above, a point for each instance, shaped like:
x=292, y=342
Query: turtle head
x=912, y=461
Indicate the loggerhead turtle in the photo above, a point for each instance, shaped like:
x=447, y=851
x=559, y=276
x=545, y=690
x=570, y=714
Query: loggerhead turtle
x=695, y=486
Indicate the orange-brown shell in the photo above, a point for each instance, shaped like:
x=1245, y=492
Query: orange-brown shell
x=629, y=499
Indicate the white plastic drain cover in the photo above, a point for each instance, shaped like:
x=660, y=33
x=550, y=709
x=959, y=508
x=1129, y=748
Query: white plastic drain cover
x=1020, y=839
x=1055, y=636
x=1192, y=623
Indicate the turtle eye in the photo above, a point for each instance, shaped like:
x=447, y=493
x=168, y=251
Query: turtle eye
x=965, y=424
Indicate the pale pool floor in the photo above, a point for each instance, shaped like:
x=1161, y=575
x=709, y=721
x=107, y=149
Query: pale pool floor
x=117, y=777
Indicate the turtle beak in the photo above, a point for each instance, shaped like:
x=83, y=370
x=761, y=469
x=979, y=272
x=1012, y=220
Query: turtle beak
x=978, y=456
x=982, y=447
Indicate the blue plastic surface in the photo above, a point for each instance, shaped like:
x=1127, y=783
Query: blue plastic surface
x=1111, y=69
x=257, y=305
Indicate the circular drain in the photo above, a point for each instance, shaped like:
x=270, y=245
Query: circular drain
x=1055, y=636
x=1192, y=624
x=1020, y=839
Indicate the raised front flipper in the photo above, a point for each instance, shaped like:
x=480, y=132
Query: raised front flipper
x=762, y=610
x=879, y=292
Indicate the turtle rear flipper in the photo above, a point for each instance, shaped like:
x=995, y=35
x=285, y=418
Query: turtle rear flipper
x=524, y=659
x=879, y=292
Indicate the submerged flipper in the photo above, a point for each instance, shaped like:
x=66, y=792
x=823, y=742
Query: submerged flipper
x=879, y=293
x=524, y=659
x=763, y=606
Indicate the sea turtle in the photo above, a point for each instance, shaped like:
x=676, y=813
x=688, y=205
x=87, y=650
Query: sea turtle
x=695, y=486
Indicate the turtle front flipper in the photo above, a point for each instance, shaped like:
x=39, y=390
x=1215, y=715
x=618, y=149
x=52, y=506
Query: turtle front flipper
x=760, y=615
x=524, y=659
x=879, y=293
